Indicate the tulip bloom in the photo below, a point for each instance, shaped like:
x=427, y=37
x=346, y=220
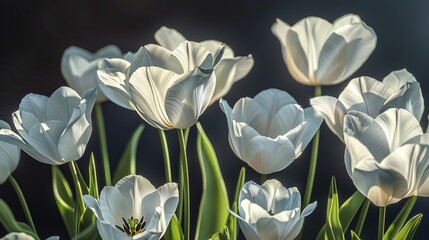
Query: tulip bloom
x=269, y=131
x=168, y=89
x=230, y=68
x=387, y=157
x=317, y=52
x=271, y=211
x=134, y=209
x=79, y=67
x=24, y=236
x=399, y=89
x=53, y=130
x=9, y=155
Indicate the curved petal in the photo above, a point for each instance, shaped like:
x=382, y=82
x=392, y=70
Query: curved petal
x=408, y=97
x=213, y=47
x=110, y=232
x=9, y=154
x=192, y=55
x=232, y=133
x=168, y=38
x=62, y=103
x=333, y=111
x=397, y=79
x=152, y=55
x=284, y=120
x=312, y=124
x=229, y=71
x=280, y=29
x=248, y=111
x=114, y=206
x=93, y=205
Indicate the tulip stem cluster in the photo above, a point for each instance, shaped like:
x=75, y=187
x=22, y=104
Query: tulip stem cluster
x=185, y=184
x=23, y=202
x=79, y=201
x=103, y=143
x=166, y=155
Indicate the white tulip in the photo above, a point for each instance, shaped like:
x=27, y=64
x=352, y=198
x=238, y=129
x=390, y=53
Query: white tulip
x=9, y=155
x=79, y=67
x=23, y=236
x=271, y=211
x=387, y=157
x=54, y=130
x=134, y=209
x=270, y=131
x=230, y=68
x=399, y=89
x=317, y=52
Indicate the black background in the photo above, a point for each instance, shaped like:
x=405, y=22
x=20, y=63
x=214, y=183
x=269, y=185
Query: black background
x=35, y=34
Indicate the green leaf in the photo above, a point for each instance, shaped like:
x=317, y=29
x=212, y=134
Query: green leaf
x=7, y=219
x=127, y=164
x=174, y=231
x=400, y=219
x=334, y=231
x=232, y=221
x=355, y=236
x=221, y=235
x=214, y=201
x=93, y=182
x=88, y=233
x=348, y=211
x=179, y=211
x=63, y=198
x=410, y=228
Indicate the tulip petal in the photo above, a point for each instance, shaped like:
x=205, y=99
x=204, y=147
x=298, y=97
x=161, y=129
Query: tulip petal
x=333, y=112
x=192, y=55
x=280, y=30
x=93, y=205
x=114, y=206
x=9, y=154
x=213, y=47
x=284, y=120
x=297, y=65
x=169, y=38
x=312, y=124
x=110, y=232
x=408, y=97
x=397, y=79
x=61, y=104
x=113, y=81
x=152, y=55
x=248, y=111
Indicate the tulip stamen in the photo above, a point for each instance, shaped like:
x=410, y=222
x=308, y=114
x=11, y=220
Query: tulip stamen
x=132, y=226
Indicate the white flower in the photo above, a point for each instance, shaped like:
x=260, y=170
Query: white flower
x=168, y=89
x=23, y=236
x=271, y=211
x=317, y=52
x=9, y=155
x=79, y=67
x=387, y=157
x=230, y=68
x=54, y=130
x=269, y=131
x=399, y=89
x=134, y=209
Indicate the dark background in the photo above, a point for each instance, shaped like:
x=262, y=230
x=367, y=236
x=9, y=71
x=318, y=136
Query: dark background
x=35, y=34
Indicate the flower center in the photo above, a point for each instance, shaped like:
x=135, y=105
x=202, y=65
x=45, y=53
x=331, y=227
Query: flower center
x=132, y=226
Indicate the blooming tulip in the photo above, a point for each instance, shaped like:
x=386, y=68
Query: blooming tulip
x=271, y=211
x=9, y=155
x=269, y=131
x=317, y=52
x=229, y=70
x=387, y=157
x=54, y=130
x=134, y=209
x=79, y=67
x=24, y=236
x=168, y=89
x=399, y=89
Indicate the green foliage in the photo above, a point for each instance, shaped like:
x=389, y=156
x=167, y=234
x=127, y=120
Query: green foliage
x=400, y=219
x=63, y=198
x=214, y=201
x=174, y=231
x=355, y=236
x=410, y=228
x=221, y=235
x=7, y=219
x=232, y=221
x=333, y=231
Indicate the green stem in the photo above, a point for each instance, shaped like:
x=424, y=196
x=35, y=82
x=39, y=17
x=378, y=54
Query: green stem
x=381, y=222
x=166, y=154
x=79, y=195
x=362, y=217
x=263, y=178
x=186, y=195
x=23, y=203
x=103, y=143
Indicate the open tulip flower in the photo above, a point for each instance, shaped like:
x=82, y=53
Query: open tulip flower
x=56, y=129
x=317, y=52
x=24, y=236
x=399, y=89
x=168, y=89
x=230, y=68
x=9, y=155
x=134, y=209
x=271, y=211
x=387, y=157
x=79, y=67
x=270, y=131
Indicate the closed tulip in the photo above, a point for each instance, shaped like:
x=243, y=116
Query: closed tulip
x=9, y=155
x=387, y=157
x=399, y=89
x=317, y=52
x=168, y=89
x=56, y=129
x=230, y=68
x=79, y=67
x=269, y=131
x=134, y=209
x=271, y=211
